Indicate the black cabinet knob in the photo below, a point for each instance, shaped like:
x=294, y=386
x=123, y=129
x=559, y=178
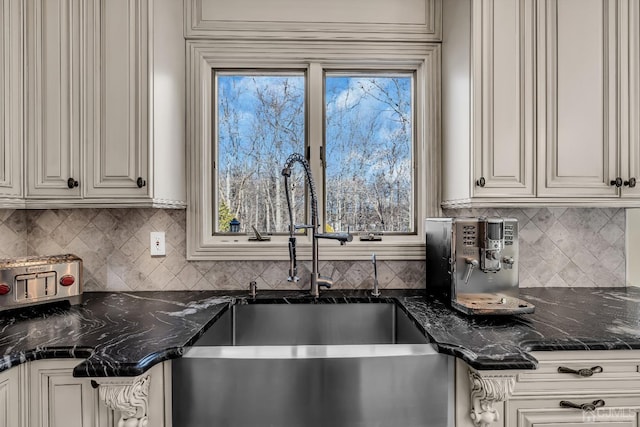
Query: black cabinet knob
x=72, y=183
x=631, y=183
x=141, y=182
x=481, y=182
x=617, y=182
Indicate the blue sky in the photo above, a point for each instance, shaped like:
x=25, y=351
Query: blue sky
x=341, y=93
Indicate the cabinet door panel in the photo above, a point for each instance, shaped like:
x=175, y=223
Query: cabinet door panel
x=504, y=98
x=538, y=412
x=11, y=98
x=631, y=158
x=9, y=398
x=577, y=98
x=54, y=84
x=60, y=400
x=118, y=149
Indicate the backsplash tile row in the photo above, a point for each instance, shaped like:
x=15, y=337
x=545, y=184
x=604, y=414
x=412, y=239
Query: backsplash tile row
x=13, y=233
x=558, y=247
x=114, y=246
x=567, y=247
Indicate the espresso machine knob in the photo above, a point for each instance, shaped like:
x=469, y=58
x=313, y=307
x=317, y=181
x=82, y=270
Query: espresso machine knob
x=508, y=262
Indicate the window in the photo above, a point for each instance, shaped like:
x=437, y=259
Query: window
x=365, y=119
x=260, y=120
x=369, y=140
x=368, y=167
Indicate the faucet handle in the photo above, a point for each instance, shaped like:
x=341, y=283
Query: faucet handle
x=325, y=281
x=302, y=226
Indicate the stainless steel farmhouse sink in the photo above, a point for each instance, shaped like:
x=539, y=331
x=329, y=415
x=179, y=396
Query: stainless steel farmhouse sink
x=293, y=365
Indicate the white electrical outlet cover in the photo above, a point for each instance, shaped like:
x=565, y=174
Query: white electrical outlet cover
x=156, y=243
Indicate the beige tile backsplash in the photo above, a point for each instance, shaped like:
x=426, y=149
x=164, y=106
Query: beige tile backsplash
x=567, y=246
x=558, y=247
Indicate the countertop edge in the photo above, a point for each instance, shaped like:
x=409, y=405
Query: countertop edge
x=483, y=343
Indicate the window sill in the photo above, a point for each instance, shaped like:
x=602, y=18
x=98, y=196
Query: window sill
x=229, y=249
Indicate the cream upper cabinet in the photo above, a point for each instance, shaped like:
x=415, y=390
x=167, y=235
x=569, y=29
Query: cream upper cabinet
x=54, y=81
x=134, y=153
x=11, y=98
x=503, y=98
x=488, y=91
x=104, y=88
x=118, y=64
x=578, y=114
x=541, y=103
x=630, y=164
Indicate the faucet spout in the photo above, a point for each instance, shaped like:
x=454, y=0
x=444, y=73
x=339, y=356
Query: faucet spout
x=341, y=237
x=317, y=280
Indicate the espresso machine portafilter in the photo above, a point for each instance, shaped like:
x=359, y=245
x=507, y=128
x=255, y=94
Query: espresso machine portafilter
x=473, y=264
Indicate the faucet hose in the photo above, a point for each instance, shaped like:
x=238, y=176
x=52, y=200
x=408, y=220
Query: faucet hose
x=293, y=268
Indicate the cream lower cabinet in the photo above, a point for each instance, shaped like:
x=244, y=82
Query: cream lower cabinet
x=10, y=389
x=553, y=394
x=617, y=412
x=44, y=393
x=58, y=399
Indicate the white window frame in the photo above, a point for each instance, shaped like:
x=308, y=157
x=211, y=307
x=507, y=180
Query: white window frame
x=204, y=57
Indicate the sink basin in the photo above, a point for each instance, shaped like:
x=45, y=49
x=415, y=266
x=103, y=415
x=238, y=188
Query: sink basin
x=290, y=365
x=312, y=324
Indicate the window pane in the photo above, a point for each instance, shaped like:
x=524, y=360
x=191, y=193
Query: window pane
x=260, y=122
x=369, y=148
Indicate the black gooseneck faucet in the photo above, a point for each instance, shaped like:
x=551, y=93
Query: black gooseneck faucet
x=316, y=279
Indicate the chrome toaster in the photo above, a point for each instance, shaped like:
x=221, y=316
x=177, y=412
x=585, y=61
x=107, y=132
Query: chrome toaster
x=38, y=280
x=473, y=263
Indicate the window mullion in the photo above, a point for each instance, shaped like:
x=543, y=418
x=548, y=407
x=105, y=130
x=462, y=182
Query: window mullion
x=315, y=131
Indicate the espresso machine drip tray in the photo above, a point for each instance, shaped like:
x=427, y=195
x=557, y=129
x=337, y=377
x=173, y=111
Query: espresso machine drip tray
x=491, y=304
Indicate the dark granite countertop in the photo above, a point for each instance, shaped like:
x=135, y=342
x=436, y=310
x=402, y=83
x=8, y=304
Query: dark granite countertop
x=119, y=334
x=124, y=334
x=564, y=319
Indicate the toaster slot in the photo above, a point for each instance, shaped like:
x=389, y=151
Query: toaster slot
x=35, y=286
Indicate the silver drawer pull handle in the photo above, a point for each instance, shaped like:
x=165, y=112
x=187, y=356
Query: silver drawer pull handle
x=584, y=406
x=586, y=372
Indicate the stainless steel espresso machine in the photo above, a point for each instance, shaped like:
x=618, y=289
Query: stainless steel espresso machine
x=473, y=264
